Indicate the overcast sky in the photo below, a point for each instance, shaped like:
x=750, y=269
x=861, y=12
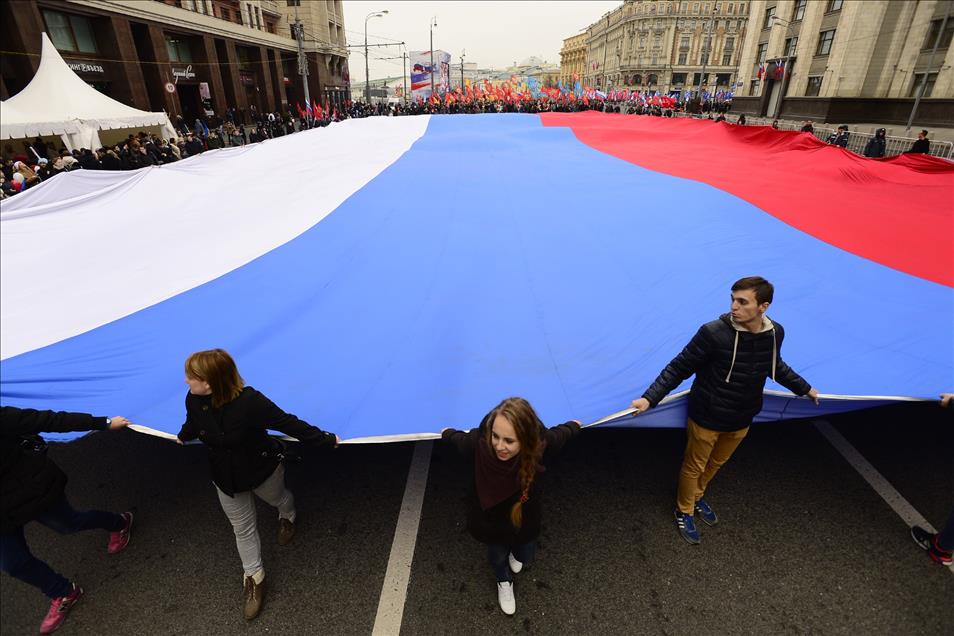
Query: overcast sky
x=493, y=33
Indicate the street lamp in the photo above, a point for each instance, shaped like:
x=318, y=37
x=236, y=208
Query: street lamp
x=708, y=49
x=367, y=81
x=433, y=24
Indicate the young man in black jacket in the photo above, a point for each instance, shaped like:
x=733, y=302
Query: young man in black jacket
x=731, y=358
x=32, y=488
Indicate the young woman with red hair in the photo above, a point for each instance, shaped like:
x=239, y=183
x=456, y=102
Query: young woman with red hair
x=233, y=420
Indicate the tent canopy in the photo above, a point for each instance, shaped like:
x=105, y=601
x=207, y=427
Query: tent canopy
x=58, y=102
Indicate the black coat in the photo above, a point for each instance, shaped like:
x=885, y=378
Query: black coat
x=875, y=147
x=920, y=146
x=30, y=483
x=493, y=526
x=715, y=402
x=241, y=453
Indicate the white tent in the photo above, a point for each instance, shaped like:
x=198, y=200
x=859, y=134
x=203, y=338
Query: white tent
x=58, y=102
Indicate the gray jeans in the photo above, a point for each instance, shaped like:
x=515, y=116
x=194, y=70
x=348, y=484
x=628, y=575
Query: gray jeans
x=240, y=510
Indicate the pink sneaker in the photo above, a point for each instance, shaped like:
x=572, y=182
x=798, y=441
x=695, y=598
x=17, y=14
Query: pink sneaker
x=59, y=608
x=120, y=539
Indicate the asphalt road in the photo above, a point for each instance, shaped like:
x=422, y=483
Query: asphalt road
x=804, y=544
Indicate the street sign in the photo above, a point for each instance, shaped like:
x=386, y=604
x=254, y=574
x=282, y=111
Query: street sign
x=170, y=87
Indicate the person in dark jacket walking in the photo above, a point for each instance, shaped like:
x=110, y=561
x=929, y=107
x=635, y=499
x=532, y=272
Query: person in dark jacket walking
x=921, y=146
x=508, y=451
x=839, y=137
x=233, y=420
x=731, y=358
x=876, y=145
x=32, y=488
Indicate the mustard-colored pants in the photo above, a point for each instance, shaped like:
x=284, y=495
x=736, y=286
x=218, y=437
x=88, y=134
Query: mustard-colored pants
x=706, y=451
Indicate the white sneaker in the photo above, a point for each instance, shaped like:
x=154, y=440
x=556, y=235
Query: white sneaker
x=515, y=566
x=505, y=595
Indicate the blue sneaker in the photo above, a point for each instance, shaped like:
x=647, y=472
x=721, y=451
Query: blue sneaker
x=708, y=515
x=687, y=527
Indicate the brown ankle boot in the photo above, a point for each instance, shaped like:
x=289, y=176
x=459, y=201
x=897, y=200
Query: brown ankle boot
x=286, y=531
x=254, y=595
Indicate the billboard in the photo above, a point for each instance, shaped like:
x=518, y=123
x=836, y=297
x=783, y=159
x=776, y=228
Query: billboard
x=421, y=73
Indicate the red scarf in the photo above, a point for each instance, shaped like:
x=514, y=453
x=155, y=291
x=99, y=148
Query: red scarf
x=497, y=480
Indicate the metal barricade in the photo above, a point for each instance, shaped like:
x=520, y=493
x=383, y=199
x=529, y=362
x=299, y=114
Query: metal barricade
x=857, y=140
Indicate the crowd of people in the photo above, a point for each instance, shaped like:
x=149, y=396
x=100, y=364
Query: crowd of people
x=731, y=358
x=41, y=160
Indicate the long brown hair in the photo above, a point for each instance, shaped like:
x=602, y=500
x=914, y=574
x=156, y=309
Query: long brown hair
x=216, y=367
x=527, y=426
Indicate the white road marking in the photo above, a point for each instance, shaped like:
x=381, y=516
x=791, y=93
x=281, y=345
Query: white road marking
x=394, y=591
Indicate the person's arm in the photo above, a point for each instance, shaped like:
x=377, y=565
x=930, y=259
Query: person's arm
x=464, y=442
x=682, y=366
x=795, y=383
x=558, y=436
x=266, y=412
x=189, y=430
x=17, y=421
x=947, y=400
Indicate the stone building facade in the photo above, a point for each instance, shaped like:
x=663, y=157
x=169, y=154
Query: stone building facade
x=573, y=59
x=185, y=57
x=848, y=60
x=667, y=46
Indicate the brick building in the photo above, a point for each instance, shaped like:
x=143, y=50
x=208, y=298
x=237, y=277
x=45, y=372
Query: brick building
x=185, y=57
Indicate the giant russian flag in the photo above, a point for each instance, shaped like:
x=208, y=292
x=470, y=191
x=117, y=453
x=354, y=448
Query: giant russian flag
x=387, y=277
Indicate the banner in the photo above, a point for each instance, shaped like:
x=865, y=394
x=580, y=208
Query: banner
x=421, y=73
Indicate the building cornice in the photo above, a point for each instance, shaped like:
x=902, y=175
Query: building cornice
x=176, y=17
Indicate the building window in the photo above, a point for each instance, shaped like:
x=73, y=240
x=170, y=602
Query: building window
x=682, y=58
x=928, y=88
x=945, y=37
x=70, y=32
x=790, y=45
x=293, y=3
x=814, y=86
x=731, y=8
x=799, y=12
x=760, y=53
x=769, y=14
x=726, y=58
x=684, y=42
x=178, y=50
x=695, y=7
x=704, y=58
x=834, y=5
x=679, y=78
x=754, y=87
x=652, y=79
x=638, y=80
x=825, y=39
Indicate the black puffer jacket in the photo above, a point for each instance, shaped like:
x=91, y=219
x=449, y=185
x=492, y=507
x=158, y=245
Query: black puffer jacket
x=241, y=453
x=30, y=483
x=731, y=366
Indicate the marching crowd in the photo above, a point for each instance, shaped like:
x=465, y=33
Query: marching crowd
x=41, y=160
x=731, y=358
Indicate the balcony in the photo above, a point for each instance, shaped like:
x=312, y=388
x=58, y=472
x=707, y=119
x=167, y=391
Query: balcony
x=271, y=6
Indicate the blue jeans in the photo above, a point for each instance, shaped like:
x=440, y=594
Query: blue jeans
x=17, y=560
x=497, y=555
x=945, y=538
